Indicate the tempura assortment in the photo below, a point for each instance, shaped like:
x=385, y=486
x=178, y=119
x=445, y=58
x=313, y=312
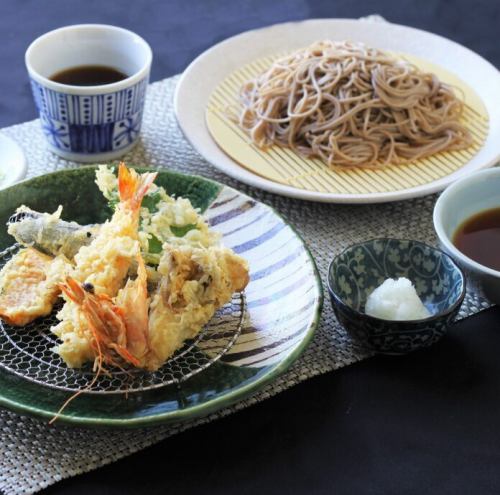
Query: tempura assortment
x=134, y=288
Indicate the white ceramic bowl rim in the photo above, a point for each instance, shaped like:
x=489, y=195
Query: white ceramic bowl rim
x=89, y=90
x=192, y=91
x=440, y=207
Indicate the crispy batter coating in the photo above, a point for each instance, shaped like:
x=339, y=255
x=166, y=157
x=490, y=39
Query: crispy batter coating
x=29, y=285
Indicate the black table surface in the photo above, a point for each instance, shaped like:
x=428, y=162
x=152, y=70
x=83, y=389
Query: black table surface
x=423, y=423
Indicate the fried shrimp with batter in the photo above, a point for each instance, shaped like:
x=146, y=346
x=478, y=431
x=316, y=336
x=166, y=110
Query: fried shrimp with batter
x=119, y=328
x=29, y=285
x=105, y=262
x=134, y=303
x=103, y=265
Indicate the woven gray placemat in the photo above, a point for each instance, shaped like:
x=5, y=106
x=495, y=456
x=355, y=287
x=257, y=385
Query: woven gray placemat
x=34, y=455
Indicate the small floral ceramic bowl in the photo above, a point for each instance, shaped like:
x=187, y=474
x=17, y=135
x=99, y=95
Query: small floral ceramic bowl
x=358, y=270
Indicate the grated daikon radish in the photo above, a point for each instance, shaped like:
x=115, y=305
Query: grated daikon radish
x=396, y=300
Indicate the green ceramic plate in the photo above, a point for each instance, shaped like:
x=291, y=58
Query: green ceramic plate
x=283, y=304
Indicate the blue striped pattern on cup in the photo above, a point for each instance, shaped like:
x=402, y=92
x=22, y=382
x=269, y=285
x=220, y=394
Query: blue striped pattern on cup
x=91, y=123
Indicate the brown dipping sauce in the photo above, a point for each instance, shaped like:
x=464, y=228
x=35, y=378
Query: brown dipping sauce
x=478, y=237
x=88, y=75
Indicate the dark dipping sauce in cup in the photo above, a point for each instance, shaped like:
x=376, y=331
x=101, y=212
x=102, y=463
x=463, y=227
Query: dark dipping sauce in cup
x=478, y=237
x=88, y=75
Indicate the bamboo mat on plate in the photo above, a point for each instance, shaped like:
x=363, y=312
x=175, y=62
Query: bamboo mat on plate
x=34, y=455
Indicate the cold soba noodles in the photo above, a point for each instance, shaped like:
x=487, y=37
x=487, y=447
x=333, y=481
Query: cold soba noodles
x=351, y=105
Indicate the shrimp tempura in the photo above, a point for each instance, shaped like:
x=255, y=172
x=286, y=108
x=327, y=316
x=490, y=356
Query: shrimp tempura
x=105, y=262
x=103, y=266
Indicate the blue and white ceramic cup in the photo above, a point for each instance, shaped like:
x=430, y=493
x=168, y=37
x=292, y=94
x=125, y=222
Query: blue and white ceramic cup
x=90, y=123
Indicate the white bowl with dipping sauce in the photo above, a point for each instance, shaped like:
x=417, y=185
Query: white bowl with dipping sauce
x=90, y=123
x=465, y=198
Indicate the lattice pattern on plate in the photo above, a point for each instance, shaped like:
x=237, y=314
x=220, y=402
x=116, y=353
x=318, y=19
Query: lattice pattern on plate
x=28, y=353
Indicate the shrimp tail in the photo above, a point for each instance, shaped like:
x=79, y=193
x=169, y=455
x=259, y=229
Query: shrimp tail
x=133, y=186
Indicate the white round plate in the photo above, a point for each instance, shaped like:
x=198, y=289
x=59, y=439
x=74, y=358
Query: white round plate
x=211, y=67
x=12, y=162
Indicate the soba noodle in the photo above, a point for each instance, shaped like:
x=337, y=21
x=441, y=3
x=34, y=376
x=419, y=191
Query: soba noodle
x=351, y=105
